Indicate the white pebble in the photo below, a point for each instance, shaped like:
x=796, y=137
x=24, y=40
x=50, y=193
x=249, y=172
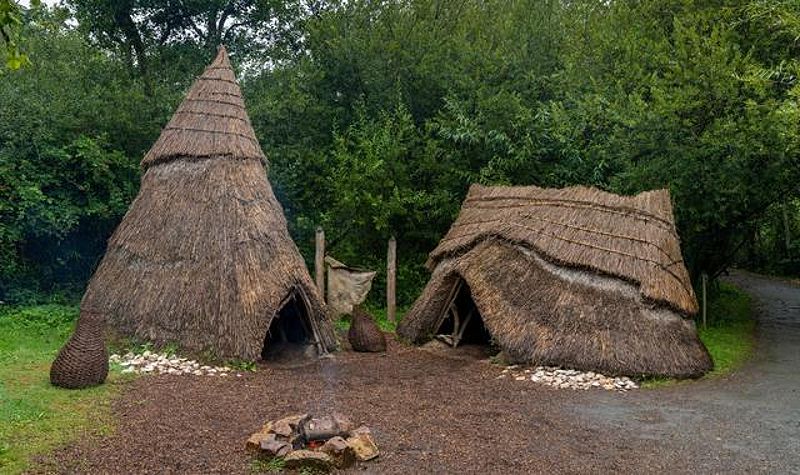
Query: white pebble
x=152, y=362
x=570, y=378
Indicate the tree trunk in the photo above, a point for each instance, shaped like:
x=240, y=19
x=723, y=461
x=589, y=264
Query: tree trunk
x=124, y=21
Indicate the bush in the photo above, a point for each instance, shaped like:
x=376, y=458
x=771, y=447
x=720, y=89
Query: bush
x=41, y=317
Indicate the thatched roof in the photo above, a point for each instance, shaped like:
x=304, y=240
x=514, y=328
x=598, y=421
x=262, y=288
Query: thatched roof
x=203, y=257
x=629, y=237
x=210, y=122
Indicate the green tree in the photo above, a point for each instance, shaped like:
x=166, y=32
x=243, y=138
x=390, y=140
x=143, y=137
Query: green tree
x=73, y=126
x=165, y=40
x=12, y=20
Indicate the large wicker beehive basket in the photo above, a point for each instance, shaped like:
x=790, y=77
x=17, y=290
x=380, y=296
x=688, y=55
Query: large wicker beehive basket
x=83, y=360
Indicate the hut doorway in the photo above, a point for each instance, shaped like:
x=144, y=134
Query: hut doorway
x=290, y=335
x=462, y=324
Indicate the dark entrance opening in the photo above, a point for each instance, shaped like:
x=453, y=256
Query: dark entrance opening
x=462, y=324
x=290, y=335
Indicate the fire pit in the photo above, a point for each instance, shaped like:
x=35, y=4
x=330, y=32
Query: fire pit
x=315, y=442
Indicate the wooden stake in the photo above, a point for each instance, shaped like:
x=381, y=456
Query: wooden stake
x=704, y=278
x=461, y=330
x=391, y=283
x=456, y=324
x=319, y=261
x=449, y=302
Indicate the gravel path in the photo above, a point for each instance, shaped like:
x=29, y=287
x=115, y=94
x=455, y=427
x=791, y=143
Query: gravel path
x=432, y=414
x=748, y=422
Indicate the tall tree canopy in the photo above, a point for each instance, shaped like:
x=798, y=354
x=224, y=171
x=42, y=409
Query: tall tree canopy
x=376, y=117
x=12, y=21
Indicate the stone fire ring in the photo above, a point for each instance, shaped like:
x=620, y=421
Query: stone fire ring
x=305, y=441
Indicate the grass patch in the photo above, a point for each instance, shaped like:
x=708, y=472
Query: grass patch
x=35, y=416
x=729, y=336
x=378, y=313
x=274, y=465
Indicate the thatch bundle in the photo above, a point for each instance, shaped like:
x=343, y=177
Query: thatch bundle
x=83, y=361
x=364, y=335
x=574, y=277
x=203, y=257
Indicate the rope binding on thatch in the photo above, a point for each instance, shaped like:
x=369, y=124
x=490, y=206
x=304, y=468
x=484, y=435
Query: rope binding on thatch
x=632, y=238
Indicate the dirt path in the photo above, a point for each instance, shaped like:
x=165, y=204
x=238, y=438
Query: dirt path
x=439, y=415
x=748, y=422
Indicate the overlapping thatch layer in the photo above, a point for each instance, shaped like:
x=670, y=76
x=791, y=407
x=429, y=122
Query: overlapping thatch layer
x=574, y=277
x=203, y=258
x=630, y=237
x=210, y=122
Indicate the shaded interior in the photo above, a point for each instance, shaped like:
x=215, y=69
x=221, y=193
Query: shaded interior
x=290, y=334
x=463, y=325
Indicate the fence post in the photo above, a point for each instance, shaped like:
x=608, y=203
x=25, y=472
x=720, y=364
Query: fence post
x=319, y=261
x=391, y=282
x=704, y=278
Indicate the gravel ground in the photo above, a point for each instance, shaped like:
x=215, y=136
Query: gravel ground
x=429, y=415
x=432, y=414
x=748, y=422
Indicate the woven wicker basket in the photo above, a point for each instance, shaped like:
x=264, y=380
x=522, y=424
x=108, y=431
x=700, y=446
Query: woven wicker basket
x=83, y=360
x=364, y=334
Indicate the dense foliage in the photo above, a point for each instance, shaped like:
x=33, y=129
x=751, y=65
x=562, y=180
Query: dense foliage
x=11, y=24
x=377, y=115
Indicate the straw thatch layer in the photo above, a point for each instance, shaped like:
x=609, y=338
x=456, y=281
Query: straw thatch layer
x=203, y=258
x=542, y=314
x=210, y=122
x=632, y=238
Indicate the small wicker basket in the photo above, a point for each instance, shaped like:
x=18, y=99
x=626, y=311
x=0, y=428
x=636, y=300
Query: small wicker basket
x=364, y=334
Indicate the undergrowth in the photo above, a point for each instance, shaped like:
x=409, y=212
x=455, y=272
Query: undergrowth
x=729, y=338
x=378, y=314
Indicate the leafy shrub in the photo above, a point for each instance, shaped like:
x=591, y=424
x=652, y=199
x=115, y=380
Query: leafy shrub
x=42, y=317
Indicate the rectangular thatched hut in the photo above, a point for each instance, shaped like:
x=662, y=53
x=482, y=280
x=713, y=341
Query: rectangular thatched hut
x=572, y=277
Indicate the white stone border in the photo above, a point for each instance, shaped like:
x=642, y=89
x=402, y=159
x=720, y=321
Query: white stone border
x=153, y=363
x=568, y=378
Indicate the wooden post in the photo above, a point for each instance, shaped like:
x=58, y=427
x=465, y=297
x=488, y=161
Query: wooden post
x=319, y=262
x=704, y=278
x=391, y=283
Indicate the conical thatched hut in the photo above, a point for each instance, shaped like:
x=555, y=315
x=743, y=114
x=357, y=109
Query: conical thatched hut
x=573, y=277
x=203, y=257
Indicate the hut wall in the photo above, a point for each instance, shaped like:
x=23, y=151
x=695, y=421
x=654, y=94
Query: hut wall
x=203, y=259
x=544, y=314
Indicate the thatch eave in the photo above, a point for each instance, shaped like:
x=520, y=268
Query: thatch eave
x=686, y=311
x=196, y=158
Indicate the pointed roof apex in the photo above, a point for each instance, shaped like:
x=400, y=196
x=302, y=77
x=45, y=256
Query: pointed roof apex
x=211, y=122
x=222, y=60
